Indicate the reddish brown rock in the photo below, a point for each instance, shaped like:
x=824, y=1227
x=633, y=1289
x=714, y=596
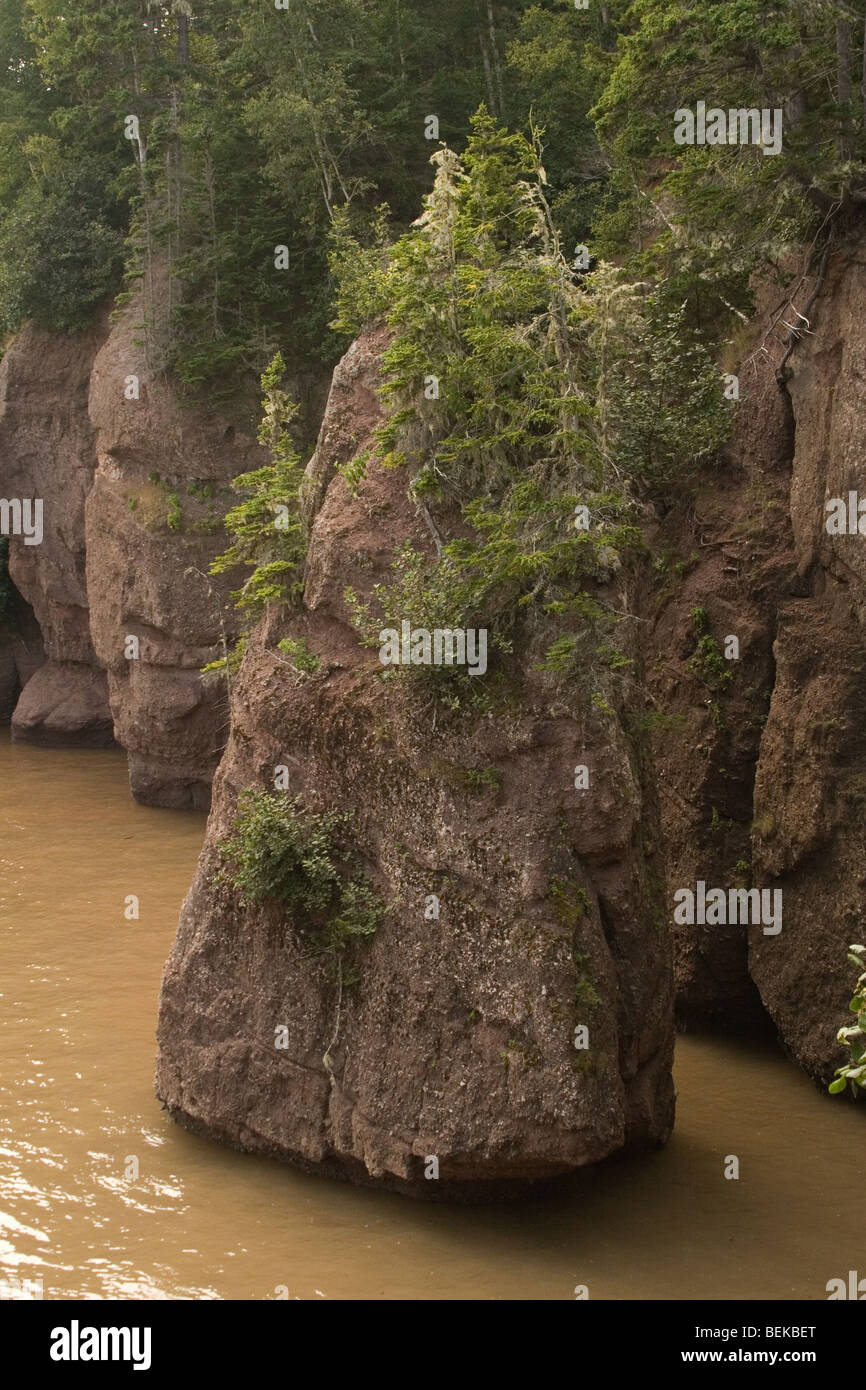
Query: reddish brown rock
x=134, y=487
x=63, y=705
x=153, y=525
x=810, y=788
x=46, y=452
x=457, y=1041
x=764, y=784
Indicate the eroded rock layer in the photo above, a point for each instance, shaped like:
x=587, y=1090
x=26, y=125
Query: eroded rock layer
x=122, y=610
x=762, y=782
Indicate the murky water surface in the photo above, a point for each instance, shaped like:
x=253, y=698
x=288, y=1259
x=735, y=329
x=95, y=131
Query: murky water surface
x=78, y=996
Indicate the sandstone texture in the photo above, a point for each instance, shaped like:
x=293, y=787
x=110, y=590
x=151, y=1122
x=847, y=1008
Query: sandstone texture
x=457, y=1038
x=762, y=784
x=46, y=451
x=159, y=488
x=134, y=487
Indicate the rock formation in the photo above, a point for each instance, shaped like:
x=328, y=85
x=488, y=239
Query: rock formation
x=134, y=487
x=457, y=1041
x=46, y=451
x=764, y=782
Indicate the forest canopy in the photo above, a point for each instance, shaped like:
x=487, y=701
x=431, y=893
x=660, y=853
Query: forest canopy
x=260, y=126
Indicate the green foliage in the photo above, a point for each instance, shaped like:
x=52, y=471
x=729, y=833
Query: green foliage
x=701, y=220
x=279, y=851
x=283, y=853
x=260, y=127
x=302, y=661
x=269, y=534
x=263, y=128
x=61, y=249
x=477, y=295
x=354, y=472
x=226, y=667
x=561, y=655
x=570, y=901
x=528, y=405
x=428, y=597
x=707, y=662
x=359, y=914
x=709, y=665
x=482, y=778
x=853, y=1072
x=201, y=490
x=660, y=392
x=657, y=721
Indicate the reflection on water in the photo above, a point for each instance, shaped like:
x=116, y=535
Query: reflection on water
x=101, y=1196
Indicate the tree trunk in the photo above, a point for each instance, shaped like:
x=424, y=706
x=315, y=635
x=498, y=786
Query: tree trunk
x=843, y=76
x=497, y=66
x=485, y=57
x=400, y=51
x=211, y=198
x=182, y=39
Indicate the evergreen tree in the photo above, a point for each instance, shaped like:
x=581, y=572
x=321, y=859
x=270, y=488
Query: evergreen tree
x=498, y=381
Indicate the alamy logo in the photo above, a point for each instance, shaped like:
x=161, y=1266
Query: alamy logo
x=444, y=646
x=845, y=520
x=856, y=1288
x=737, y=906
x=743, y=126
x=22, y=516
x=75, y=1343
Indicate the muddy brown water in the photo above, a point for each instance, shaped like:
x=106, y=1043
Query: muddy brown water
x=78, y=996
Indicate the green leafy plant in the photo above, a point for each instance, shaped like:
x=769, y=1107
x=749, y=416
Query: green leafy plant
x=853, y=1072
x=302, y=661
x=481, y=778
x=229, y=665
x=281, y=852
x=269, y=534
x=354, y=472
x=503, y=380
x=359, y=914
x=569, y=899
x=707, y=662
x=429, y=597
x=202, y=491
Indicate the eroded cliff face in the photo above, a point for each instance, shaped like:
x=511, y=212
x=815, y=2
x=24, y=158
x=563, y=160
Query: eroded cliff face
x=46, y=452
x=159, y=489
x=764, y=784
x=134, y=487
x=811, y=777
x=457, y=1040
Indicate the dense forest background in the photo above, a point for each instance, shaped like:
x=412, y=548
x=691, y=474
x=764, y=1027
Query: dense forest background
x=261, y=127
